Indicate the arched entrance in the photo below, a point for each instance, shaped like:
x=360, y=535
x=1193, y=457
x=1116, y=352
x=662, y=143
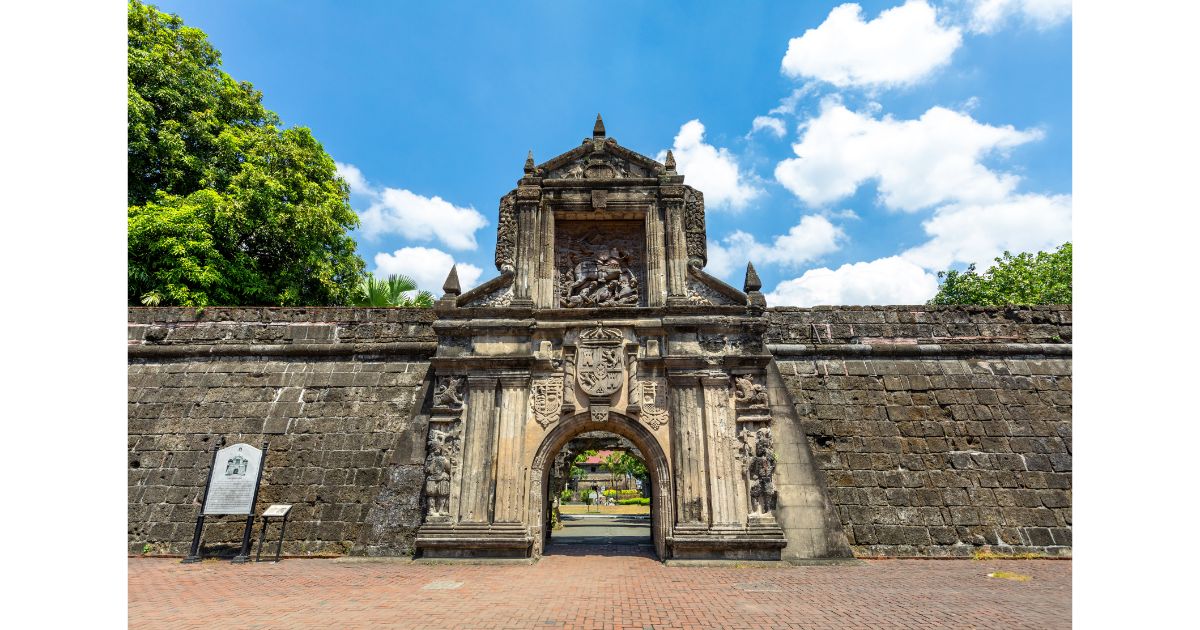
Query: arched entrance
x=656, y=464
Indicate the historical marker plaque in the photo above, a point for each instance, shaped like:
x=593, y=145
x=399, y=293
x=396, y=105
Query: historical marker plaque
x=234, y=478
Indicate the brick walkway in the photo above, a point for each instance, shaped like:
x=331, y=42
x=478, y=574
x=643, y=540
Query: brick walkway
x=584, y=590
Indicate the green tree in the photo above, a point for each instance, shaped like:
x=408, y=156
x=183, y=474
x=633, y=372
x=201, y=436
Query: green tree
x=390, y=291
x=1044, y=278
x=224, y=206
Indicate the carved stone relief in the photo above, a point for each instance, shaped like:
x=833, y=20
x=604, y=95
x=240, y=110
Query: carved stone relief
x=700, y=293
x=693, y=225
x=600, y=370
x=749, y=394
x=599, y=264
x=759, y=456
x=448, y=393
x=599, y=165
x=651, y=413
x=442, y=457
x=546, y=398
x=506, y=236
x=500, y=297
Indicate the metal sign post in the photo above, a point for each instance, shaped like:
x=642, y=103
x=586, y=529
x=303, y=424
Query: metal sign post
x=244, y=555
x=194, y=552
x=276, y=510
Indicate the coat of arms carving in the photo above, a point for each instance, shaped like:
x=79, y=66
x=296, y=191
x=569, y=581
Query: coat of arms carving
x=600, y=369
x=546, y=398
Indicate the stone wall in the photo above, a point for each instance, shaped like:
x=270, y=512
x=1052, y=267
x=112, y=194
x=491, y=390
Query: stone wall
x=936, y=430
x=332, y=390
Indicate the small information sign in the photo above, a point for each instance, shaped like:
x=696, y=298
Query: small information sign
x=234, y=479
x=277, y=509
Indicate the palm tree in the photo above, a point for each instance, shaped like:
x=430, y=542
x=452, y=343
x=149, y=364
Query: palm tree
x=390, y=291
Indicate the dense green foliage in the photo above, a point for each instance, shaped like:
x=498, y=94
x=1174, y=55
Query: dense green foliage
x=390, y=291
x=1021, y=279
x=224, y=207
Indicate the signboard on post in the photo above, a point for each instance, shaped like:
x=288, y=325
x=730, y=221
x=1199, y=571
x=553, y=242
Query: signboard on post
x=232, y=488
x=234, y=479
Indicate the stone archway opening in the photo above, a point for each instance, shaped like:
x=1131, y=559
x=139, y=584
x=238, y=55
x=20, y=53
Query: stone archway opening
x=599, y=496
x=569, y=525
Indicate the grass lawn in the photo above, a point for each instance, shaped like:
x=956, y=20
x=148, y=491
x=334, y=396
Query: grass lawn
x=579, y=508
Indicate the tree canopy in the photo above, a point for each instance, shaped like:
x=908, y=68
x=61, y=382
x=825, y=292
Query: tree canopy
x=1044, y=278
x=394, y=290
x=224, y=206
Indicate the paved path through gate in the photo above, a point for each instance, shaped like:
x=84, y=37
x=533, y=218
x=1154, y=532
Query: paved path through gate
x=575, y=587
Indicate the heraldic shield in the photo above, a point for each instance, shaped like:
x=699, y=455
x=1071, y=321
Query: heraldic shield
x=601, y=371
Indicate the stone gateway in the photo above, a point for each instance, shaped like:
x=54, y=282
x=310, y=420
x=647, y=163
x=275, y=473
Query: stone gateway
x=768, y=434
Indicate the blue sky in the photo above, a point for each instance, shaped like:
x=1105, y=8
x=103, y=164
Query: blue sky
x=850, y=151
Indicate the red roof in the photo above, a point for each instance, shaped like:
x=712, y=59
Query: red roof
x=599, y=457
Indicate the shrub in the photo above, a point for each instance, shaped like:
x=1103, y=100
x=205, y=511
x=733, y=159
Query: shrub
x=566, y=495
x=638, y=501
x=628, y=494
x=610, y=493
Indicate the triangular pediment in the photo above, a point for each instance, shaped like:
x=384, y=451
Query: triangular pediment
x=600, y=158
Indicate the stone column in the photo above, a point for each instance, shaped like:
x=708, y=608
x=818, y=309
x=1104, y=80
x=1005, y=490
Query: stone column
x=725, y=473
x=687, y=445
x=510, y=442
x=477, y=450
x=546, y=295
x=528, y=245
x=656, y=257
x=676, y=249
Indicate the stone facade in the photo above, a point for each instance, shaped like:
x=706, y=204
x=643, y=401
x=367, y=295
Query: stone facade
x=768, y=433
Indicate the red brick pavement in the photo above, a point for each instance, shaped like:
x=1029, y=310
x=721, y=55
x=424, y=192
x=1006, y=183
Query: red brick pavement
x=583, y=590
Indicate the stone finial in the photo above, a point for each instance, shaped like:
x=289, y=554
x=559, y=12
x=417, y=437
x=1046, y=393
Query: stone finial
x=529, y=165
x=598, y=130
x=451, y=287
x=753, y=283
x=670, y=162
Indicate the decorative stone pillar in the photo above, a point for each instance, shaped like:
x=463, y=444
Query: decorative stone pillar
x=725, y=473
x=510, y=444
x=477, y=450
x=656, y=257
x=529, y=238
x=546, y=295
x=687, y=444
x=676, y=244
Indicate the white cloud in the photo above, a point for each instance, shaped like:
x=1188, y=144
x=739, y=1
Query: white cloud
x=712, y=170
x=917, y=163
x=900, y=47
x=775, y=125
x=412, y=216
x=787, y=105
x=427, y=266
x=354, y=177
x=891, y=280
x=720, y=261
x=987, y=16
x=978, y=233
x=806, y=241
